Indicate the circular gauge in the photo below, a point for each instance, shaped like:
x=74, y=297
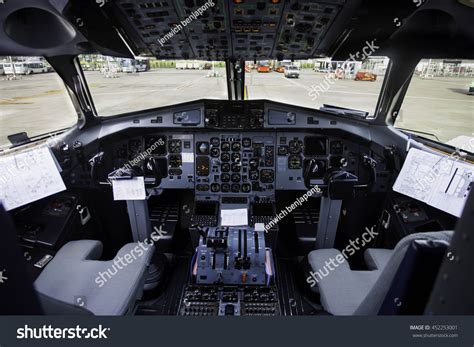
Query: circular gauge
x=236, y=157
x=225, y=146
x=246, y=188
x=215, y=152
x=225, y=167
x=295, y=146
x=236, y=146
x=254, y=175
x=295, y=162
x=247, y=142
x=236, y=167
x=253, y=163
x=283, y=150
x=225, y=178
x=225, y=157
x=235, y=177
x=215, y=141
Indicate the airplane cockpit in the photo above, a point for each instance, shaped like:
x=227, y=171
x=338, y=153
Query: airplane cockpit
x=236, y=158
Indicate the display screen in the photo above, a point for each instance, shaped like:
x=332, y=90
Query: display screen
x=315, y=145
x=265, y=209
x=206, y=209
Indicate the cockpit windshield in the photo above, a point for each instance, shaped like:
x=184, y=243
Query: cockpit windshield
x=120, y=86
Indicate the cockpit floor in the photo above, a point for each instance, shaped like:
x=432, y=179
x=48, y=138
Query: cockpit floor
x=168, y=301
x=293, y=301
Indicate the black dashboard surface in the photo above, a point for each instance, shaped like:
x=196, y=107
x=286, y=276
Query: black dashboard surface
x=230, y=147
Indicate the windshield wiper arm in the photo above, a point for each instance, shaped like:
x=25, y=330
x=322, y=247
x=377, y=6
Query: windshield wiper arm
x=344, y=111
x=21, y=139
x=419, y=132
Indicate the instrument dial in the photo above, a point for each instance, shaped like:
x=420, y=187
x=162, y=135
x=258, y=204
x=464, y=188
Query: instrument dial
x=295, y=146
x=225, y=146
x=225, y=157
x=236, y=146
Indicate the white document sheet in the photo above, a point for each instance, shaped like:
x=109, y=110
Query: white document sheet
x=187, y=157
x=438, y=180
x=129, y=189
x=236, y=217
x=28, y=176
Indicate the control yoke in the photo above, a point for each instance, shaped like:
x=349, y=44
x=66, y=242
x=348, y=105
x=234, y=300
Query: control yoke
x=152, y=166
x=341, y=184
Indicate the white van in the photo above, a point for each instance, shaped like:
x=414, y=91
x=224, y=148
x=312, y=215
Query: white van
x=25, y=67
x=292, y=71
x=9, y=68
x=135, y=65
x=36, y=66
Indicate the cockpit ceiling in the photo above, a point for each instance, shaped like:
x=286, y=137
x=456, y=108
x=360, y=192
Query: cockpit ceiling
x=238, y=29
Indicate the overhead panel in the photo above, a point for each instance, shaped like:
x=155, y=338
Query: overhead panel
x=209, y=34
x=230, y=29
x=153, y=21
x=254, y=26
x=303, y=26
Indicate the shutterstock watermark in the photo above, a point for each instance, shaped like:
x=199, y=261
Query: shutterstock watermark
x=193, y=16
x=330, y=79
x=333, y=263
x=121, y=262
x=288, y=209
x=47, y=332
x=443, y=165
x=101, y=2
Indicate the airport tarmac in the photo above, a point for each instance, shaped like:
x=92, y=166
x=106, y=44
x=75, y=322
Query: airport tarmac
x=39, y=103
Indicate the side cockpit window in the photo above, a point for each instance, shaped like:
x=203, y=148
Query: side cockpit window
x=33, y=99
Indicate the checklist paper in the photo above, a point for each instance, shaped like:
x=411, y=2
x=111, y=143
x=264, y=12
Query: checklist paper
x=29, y=176
x=441, y=181
x=235, y=217
x=129, y=189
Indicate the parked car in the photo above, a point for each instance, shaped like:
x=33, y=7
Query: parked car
x=263, y=68
x=292, y=71
x=365, y=76
x=280, y=69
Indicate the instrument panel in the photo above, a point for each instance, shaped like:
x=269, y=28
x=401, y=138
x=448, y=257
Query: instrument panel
x=237, y=162
x=296, y=150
